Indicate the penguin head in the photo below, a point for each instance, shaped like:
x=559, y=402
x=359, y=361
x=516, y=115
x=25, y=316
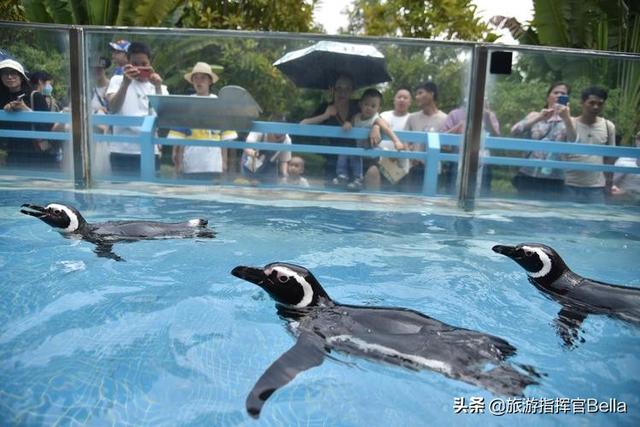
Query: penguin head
x=540, y=261
x=288, y=284
x=66, y=219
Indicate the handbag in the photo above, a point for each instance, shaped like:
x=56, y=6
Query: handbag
x=254, y=163
x=390, y=169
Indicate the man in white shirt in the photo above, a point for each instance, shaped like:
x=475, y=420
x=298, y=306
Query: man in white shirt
x=397, y=120
x=590, y=128
x=428, y=119
x=127, y=95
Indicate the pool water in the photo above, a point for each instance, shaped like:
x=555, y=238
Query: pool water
x=169, y=337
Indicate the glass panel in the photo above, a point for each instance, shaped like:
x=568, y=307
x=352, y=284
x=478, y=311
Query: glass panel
x=215, y=130
x=34, y=134
x=567, y=107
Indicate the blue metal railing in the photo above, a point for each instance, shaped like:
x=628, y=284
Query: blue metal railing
x=431, y=155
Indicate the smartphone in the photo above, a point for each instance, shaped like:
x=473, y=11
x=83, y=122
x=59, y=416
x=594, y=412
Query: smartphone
x=563, y=99
x=144, y=73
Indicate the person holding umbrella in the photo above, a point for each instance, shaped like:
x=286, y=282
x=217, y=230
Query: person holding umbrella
x=339, y=111
x=341, y=68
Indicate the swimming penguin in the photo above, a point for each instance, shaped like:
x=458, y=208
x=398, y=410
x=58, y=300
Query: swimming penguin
x=578, y=295
x=71, y=224
x=394, y=335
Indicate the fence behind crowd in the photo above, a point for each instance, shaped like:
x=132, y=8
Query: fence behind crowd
x=476, y=119
x=432, y=156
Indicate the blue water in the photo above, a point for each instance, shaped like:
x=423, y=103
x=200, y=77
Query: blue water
x=169, y=337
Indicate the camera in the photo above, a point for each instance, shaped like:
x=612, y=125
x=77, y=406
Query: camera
x=144, y=73
x=563, y=99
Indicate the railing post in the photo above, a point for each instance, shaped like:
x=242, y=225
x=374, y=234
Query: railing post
x=79, y=111
x=147, y=154
x=430, y=183
x=471, y=145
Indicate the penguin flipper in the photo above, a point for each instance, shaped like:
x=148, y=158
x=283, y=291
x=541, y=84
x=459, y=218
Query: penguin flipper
x=103, y=250
x=306, y=353
x=505, y=380
x=568, y=323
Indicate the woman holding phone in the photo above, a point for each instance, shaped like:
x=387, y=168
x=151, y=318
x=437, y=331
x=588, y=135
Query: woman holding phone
x=548, y=124
x=16, y=95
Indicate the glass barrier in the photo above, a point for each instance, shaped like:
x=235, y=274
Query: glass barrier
x=288, y=79
x=34, y=96
x=551, y=121
x=268, y=109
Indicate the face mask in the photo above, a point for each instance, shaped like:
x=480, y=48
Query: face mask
x=47, y=90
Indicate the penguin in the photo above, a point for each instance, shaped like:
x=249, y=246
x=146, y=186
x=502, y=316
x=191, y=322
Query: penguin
x=70, y=223
x=578, y=296
x=398, y=336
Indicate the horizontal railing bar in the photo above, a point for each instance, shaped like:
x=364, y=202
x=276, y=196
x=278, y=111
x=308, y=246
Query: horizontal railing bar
x=300, y=148
x=559, y=147
x=35, y=116
x=116, y=120
x=35, y=134
x=555, y=164
x=131, y=139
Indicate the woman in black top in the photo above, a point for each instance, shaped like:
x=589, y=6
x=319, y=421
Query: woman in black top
x=16, y=95
x=341, y=109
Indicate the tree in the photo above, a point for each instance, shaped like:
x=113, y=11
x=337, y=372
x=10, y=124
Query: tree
x=443, y=19
x=588, y=24
x=12, y=10
x=260, y=15
x=143, y=13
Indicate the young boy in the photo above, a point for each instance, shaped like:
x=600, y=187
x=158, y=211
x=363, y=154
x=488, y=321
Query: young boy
x=127, y=95
x=296, y=169
x=367, y=117
x=205, y=163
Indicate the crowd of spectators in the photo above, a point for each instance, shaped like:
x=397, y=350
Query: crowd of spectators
x=121, y=84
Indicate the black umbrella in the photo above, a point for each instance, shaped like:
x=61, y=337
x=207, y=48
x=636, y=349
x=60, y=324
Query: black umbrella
x=318, y=66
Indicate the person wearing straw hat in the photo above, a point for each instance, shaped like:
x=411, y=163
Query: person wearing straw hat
x=16, y=95
x=205, y=163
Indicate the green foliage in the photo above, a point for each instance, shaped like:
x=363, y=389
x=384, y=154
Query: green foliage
x=152, y=13
x=410, y=67
x=591, y=24
x=12, y=10
x=144, y=13
x=444, y=19
x=42, y=52
x=260, y=15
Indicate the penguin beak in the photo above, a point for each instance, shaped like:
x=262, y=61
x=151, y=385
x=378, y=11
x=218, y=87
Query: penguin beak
x=250, y=274
x=509, y=251
x=33, y=210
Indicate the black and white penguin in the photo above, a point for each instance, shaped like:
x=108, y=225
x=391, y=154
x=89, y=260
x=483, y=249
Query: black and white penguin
x=578, y=295
x=68, y=221
x=394, y=335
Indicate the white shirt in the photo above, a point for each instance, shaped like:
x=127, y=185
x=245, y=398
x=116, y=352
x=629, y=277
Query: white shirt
x=629, y=182
x=203, y=159
x=136, y=103
x=396, y=123
x=420, y=122
x=98, y=98
x=601, y=132
x=280, y=156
